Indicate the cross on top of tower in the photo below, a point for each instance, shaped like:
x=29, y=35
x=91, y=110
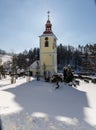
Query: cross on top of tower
x=48, y=26
x=48, y=14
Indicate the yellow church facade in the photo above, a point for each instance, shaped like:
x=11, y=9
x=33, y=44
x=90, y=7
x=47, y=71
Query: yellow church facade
x=48, y=50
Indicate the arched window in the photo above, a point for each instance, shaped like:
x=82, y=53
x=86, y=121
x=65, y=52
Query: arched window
x=46, y=43
x=46, y=38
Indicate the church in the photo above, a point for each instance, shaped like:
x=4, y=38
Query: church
x=48, y=52
x=48, y=49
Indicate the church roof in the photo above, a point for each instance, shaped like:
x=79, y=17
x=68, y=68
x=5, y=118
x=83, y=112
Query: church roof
x=46, y=35
x=34, y=64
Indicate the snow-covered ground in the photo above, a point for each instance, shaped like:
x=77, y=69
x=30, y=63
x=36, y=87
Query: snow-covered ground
x=37, y=105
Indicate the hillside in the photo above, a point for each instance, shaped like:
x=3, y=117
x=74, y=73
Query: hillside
x=5, y=58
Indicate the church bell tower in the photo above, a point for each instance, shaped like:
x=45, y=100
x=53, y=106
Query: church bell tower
x=48, y=49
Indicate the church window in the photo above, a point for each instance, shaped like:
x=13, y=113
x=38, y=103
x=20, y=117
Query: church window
x=46, y=38
x=46, y=44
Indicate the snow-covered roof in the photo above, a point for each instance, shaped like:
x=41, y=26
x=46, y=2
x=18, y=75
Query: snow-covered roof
x=34, y=64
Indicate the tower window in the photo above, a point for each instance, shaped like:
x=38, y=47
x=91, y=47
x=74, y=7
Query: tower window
x=46, y=44
x=46, y=38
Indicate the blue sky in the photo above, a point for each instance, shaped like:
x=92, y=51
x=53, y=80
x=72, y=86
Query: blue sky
x=23, y=21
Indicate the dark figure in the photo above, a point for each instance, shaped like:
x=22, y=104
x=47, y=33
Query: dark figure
x=68, y=75
x=57, y=79
x=57, y=83
x=37, y=74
